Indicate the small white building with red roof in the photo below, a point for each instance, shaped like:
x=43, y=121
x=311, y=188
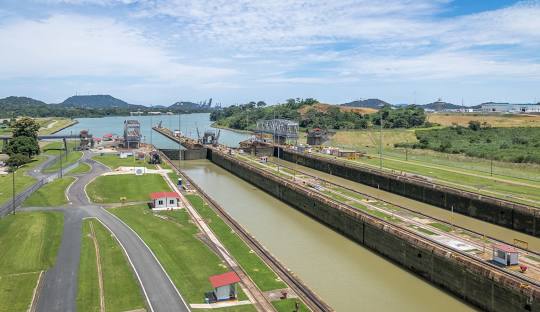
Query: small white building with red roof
x=505, y=255
x=165, y=201
x=224, y=286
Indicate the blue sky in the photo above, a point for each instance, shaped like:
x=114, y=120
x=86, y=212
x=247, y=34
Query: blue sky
x=159, y=52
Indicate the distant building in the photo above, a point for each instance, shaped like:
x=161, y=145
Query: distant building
x=317, y=136
x=165, y=201
x=492, y=107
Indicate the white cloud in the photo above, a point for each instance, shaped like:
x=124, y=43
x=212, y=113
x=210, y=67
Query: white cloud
x=74, y=45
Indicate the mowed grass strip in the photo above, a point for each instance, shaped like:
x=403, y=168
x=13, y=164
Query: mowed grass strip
x=121, y=290
x=259, y=272
x=114, y=161
x=80, y=169
x=241, y=308
x=287, y=305
x=29, y=243
x=88, y=290
x=187, y=260
x=71, y=158
x=51, y=194
x=109, y=189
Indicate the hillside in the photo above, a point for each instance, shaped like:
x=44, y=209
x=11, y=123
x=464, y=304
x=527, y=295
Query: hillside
x=369, y=103
x=19, y=105
x=321, y=107
x=440, y=105
x=94, y=101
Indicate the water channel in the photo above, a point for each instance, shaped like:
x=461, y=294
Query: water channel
x=346, y=275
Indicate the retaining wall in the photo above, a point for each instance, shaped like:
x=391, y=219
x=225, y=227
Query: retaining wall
x=187, y=154
x=511, y=215
x=474, y=281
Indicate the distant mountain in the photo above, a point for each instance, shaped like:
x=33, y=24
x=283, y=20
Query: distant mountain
x=440, y=105
x=95, y=101
x=369, y=103
x=14, y=101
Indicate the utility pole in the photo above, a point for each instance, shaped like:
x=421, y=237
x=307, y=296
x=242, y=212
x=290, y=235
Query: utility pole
x=151, y=126
x=13, y=169
x=380, y=141
x=179, y=144
x=60, y=164
x=491, y=166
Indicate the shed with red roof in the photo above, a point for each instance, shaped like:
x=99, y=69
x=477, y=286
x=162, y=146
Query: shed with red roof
x=224, y=286
x=165, y=201
x=505, y=255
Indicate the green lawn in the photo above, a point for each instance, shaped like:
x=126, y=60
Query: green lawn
x=186, y=259
x=259, y=272
x=241, y=308
x=25, y=253
x=109, y=189
x=114, y=161
x=288, y=305
x=121, y=289
x=71, y=158
x=50, y=195
x=80, y=169
x=22, y=180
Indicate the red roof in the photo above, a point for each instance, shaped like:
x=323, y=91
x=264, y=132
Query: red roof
x=224, y=279
x=163, y=194
x=108, y=135
x=506, y=248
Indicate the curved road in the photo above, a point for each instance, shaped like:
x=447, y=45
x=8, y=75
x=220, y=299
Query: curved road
x=59, y=291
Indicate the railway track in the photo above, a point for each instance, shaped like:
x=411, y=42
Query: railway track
x=314, y=302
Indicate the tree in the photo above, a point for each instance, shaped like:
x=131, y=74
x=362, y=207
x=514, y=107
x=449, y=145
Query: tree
x=475, y=125
x=23, y=145
x=27, y=127
x=261, y=104
x=17, y=160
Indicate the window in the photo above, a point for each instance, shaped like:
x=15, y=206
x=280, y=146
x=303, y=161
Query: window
x=160, y=202
x=171, y=201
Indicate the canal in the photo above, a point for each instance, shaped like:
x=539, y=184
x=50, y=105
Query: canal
x=345, y=274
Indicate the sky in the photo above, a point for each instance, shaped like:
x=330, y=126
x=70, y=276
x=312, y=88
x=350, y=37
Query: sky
x=157, y=52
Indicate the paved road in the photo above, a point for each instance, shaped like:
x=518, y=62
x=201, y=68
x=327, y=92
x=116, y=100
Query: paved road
x=59, y=292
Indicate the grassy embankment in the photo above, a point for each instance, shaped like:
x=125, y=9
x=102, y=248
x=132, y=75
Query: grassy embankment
x=25, y=254
x=56, y=148
x=259, y=272
x=109, y=189
x=114, y=161
x=22, y=180
x=51, y=194
x=80, y=169
x=54, y=124
x=495, y=120
x=121, y=290
x=173, y=238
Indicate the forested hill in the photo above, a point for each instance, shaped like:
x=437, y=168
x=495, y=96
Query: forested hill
x=95, y=101
x=88, y=106
x=311, y=114
x=369, y=103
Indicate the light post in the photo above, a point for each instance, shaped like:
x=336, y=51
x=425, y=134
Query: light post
x=380, y=141
x=13, y=169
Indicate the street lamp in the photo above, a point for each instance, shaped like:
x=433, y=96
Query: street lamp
x=13, y=169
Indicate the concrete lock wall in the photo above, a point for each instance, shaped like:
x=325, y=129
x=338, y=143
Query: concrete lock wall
x=186, y=154
x=465, y=277
x=511, y=215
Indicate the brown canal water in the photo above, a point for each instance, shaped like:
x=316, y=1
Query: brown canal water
x=346, y=275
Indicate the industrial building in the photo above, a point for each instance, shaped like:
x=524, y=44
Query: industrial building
x=132, y=134
x=492, y=107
